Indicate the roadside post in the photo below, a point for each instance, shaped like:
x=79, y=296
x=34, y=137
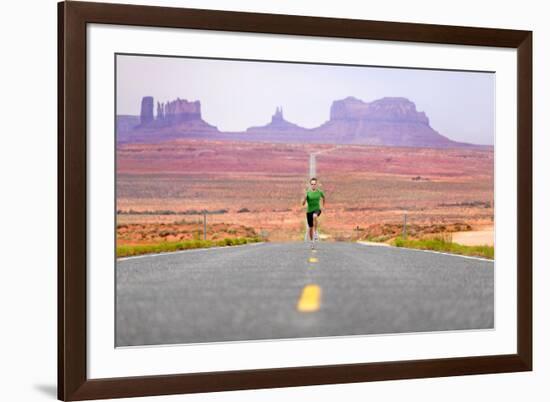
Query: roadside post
x=204, y=221
x=405, y=225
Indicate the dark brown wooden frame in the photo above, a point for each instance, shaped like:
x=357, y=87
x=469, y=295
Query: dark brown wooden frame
x=73, y=383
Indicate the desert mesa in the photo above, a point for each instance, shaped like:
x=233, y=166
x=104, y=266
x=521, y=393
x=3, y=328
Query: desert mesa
x=389, y=121
x=375, y=161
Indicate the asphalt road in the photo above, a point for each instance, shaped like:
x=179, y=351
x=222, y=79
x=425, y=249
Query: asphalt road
x=284, y=290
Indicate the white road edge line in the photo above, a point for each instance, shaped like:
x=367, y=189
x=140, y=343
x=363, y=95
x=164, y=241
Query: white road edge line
x=188, y=251
x=431, y=251
x=372, y=243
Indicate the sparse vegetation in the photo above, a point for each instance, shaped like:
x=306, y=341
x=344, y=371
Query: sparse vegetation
x=383, y=232
x=169, y=232
x=164, y=247
x=483, y=204
x=268, y=179
x=170, y=212
x=444, y=243
x=379, y=239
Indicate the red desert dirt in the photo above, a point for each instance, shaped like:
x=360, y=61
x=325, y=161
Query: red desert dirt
x=256, y=189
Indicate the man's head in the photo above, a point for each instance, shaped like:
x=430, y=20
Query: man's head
x=313, y=183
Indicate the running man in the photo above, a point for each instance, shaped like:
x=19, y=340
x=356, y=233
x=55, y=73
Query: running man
x=313, y=197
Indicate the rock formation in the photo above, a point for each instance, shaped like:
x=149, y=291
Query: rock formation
x=386, y=121
x=146, y=114
x=278, y=116
x=392, y=121
x=395, y=110
x=160, y=111
x=181, y=110
x=278, y=125
x=168, y=113
x=174, y=119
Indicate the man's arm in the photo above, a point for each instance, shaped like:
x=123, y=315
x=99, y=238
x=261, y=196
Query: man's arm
x=323, y=197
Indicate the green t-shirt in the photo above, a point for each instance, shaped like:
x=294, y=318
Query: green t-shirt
x=313, y=200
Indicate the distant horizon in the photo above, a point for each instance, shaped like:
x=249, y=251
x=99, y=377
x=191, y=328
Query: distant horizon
x=304, y=92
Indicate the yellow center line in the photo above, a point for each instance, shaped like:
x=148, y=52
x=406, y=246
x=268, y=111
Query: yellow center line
x=313, y=259
x=310, y=300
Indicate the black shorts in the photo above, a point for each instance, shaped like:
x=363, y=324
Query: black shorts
x=310, y=216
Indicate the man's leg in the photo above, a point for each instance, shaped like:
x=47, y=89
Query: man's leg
x=315, y=218
x=309, y=226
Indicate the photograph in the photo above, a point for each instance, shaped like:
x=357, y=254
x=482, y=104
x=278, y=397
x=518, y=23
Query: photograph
x=278, y=198
x=266, y=200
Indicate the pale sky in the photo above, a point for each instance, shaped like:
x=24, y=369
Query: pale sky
x=235, y=95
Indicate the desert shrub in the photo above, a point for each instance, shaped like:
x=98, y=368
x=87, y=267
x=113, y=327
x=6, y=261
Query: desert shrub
x=383, y=238
x=444, y=237
x=164, y=212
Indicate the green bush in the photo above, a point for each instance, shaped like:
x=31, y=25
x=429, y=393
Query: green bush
x=399, y=242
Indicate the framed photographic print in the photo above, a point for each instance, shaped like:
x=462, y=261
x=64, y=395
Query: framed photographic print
x=257, y=200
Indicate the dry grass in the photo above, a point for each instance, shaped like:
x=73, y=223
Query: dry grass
x=444, y=243
x=165, y=247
